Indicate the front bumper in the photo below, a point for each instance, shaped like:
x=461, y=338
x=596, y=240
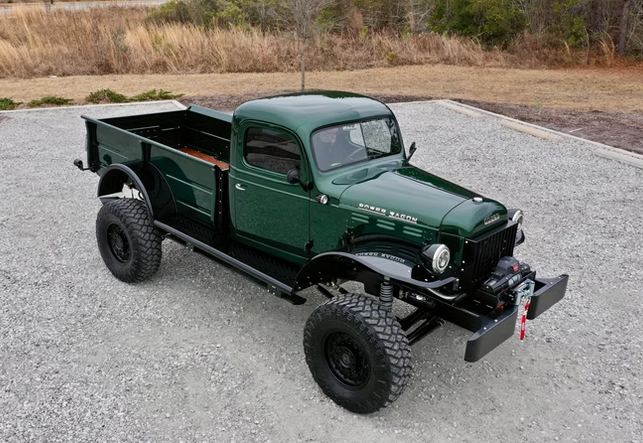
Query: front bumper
x=493, y=332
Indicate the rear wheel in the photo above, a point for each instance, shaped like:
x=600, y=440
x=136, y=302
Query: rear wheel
x=357, y=352
x=127, y=240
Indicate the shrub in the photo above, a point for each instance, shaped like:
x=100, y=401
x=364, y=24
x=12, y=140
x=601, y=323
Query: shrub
x=493, y=22
x=50, y=100
x=576, y=35
x=6, y=104
x=106, y=96
x=109, y=96
x=172, y=11
x=155, y=95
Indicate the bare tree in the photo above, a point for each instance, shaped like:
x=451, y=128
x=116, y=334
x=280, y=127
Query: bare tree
x=302, y=15
x=635, y=38
x=419, y=12
x=622, y=35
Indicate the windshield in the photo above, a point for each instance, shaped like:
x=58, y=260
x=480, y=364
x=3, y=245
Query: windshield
x=342, y=145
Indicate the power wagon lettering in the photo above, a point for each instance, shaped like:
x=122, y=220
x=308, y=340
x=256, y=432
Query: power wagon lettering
x=391, y=214
x=383, y=255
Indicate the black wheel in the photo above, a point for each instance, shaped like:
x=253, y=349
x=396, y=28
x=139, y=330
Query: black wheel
x=127, y=240
x=357, y=352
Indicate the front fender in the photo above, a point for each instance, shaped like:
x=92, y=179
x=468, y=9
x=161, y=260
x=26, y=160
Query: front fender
x=365, y=267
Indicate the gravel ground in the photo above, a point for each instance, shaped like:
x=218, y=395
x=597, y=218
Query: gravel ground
x=198, y=354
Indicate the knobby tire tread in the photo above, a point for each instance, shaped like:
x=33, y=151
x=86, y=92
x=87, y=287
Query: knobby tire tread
x=144, y=237
x=381, y=328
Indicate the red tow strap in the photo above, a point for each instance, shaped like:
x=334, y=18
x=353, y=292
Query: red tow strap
x=523, y=323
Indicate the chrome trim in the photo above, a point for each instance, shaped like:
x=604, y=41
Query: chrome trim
x=436, y=257
x=518, y=215
x=445, y=297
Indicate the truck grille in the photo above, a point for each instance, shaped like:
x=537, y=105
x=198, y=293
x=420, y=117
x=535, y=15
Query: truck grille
x=481, y=255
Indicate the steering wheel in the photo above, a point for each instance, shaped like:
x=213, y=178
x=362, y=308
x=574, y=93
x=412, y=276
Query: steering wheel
x=359, y=150
x=348, y=158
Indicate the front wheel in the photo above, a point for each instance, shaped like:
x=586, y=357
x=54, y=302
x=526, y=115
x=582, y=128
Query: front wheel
x=127, y=240
x=357, y=353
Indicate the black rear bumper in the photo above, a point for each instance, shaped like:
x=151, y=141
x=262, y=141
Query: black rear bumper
x=493, y=332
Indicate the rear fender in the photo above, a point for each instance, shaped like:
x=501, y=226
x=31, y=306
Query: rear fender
x=147, y=179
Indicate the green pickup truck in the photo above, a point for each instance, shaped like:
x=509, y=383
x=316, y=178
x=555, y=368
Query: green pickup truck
x=316, y=189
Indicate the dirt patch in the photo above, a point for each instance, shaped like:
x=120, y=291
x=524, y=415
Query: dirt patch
x=609, y=90
x=229, y=102
x=620, y=130
x=3, y=118
x=616, y=129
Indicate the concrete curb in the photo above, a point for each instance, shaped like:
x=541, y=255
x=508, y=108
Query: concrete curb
x=179, y=104
x=530, y=130
x=176, y=103
x=454, y=107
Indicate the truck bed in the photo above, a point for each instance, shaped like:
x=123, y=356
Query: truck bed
x=185, y=146
x=197, y=131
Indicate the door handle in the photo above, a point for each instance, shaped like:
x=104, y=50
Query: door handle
x=240, y=187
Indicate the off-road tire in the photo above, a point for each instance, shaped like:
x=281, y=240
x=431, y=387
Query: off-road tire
x=139, y=254
x=373, y=336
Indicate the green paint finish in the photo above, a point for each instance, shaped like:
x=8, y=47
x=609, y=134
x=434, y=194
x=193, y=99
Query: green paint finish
x=327, y=225
x=395, y=197
x=211, y=113
x=110, y=156
x=191, y=182
x=471, y=218
x=305, y=112
x=116, y=146
x=269, y=211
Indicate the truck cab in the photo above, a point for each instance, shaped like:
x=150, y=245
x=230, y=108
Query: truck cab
x=293, y=157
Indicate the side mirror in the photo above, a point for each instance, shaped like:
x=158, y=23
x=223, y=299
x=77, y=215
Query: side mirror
x=293, y=177
x=412, y=150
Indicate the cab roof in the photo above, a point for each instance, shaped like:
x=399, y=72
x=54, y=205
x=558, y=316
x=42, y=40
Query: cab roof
x=311, y=110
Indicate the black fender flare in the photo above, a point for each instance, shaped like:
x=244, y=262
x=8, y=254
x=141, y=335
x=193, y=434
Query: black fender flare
x=147, y=179
x=366, y=267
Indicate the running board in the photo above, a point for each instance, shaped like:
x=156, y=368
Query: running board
x=273, y=285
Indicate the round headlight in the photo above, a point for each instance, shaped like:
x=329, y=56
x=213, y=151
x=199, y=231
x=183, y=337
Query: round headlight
x=436, y=258
x=518, y=217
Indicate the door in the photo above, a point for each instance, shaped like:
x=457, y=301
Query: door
x=268, y=209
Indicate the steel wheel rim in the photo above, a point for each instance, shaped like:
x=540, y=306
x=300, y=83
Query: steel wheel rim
x=346, y=359
x=118, y=243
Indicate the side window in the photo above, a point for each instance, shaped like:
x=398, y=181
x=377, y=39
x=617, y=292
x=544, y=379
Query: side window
x=272, y=150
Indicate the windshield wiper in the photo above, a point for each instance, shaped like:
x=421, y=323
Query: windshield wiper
x=375, y=154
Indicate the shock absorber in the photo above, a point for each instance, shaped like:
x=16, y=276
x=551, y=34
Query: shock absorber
x=386, y=294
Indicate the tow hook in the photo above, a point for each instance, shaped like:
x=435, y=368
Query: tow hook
x=524, y=291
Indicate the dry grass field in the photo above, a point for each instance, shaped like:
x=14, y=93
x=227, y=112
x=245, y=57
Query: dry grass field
x=122, y=40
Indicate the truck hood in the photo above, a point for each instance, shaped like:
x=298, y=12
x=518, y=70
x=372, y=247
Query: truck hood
x=413, y=196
